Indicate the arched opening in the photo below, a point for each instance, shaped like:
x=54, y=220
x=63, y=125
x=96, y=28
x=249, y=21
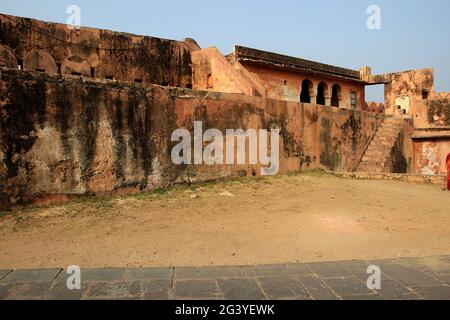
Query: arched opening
x=305, y=95
x=322, y=92
x=40, y=61
x=7, y=58
x=76, y=66
x=336, y=95
x=209, y=82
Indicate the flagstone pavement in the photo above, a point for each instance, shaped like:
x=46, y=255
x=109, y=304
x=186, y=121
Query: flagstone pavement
x=425, y=278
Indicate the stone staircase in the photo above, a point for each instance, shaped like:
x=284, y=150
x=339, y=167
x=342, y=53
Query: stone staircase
x=377, y=155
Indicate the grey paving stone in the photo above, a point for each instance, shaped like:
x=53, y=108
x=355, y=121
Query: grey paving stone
x=434, y=293
x=104, y=275
x=408, y=276
x=3, y=273
x=392, y=290
x=348, y=286
x=59, y=290
x=35, y=275
x=30, y=290
x=357, y=267
x=443, y=277
x=276, y=270
x=430, y=264
x=316, y=288
x=6, y=289
x=156, y=289
x=196, y=289
x=296, y=270
x=385, y=261
x=114, y=290
x=146, y=274
x=411, y=296
x=368, y=297
x=328, y=270
x=208, y=273
x=282, y=287
x=240, y=289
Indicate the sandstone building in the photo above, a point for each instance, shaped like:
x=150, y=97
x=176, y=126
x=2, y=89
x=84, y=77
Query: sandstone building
x=92, y=111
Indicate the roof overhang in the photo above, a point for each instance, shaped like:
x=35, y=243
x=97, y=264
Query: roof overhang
x=266, y=59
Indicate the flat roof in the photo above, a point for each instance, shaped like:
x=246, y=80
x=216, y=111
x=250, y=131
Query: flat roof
x=279, y=61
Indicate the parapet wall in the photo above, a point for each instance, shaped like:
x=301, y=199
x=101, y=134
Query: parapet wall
x=56, y=49
x=73, y=136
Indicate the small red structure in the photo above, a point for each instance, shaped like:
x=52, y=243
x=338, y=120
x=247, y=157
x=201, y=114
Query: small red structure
x=448, y=171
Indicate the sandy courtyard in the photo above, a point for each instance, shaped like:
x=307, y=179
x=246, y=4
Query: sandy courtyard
x=298, y=218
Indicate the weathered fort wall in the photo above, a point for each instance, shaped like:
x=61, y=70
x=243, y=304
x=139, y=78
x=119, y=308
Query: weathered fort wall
x=69, y=136
x=431, y=135
x=56, y=49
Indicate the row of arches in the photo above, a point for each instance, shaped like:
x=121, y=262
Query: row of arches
x=40, y=60
x=321, y=95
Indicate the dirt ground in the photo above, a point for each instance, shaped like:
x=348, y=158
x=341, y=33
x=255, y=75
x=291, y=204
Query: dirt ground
x=297, y=218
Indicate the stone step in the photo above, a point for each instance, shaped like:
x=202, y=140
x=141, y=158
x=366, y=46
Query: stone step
x=377, y=155
x=387, y=131
x=385, y=140
x=374, y=164
x=382, y=146
x=378, y=151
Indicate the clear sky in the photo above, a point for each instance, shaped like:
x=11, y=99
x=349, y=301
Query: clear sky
x=414, y=33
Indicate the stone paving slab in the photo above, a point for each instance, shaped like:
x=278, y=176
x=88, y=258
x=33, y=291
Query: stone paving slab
x=156, y=289
x=356, y=267
x=434, y=293
x=104, y=274
x=402, y=279
x=392, y=290
x=329, y=270
x=36, y=275
x=316, y=288
x=149, y=274
x=208, y=272
x=3, y=273
x=408, y=276
x=196, y=289
x=348, y=286
x=283, y=288
x=276, y=270
x=241, y=289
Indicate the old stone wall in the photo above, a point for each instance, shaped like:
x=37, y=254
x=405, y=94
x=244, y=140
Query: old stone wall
x=430, y=155
x=72, y=136
x=56, y=49
x=406, y=89
x=401, y=158
x=412, y=93
x=213, y=72
x=431, y=135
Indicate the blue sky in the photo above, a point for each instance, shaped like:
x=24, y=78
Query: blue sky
x=414, y=34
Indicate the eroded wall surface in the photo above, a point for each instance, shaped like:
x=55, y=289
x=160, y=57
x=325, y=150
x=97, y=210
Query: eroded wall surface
x=431, y=135
x=406, y=89
x=430, y=155
x=65, y=137
x=213, y=72
x=411, y=94
x=56, y=49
